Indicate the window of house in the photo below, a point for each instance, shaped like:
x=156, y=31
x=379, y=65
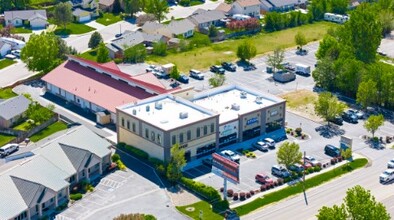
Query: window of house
x=43, y=205
x=198, y=133
x=152, y=136
x=128, y=125
x=51, y=199
x=122, y=122
x=205, y=130
x=133, y=127
x=181, y=138
x=173, y=139
x=212, y=127
x=146, y=133
x=189, y=135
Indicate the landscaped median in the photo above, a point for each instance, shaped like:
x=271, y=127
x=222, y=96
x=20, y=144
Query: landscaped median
x=281, y=193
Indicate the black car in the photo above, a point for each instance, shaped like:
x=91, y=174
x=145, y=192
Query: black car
x=183, y=79
x=336, y=120
x=349, y=117
x=250, y=67
x=229, y=66
x=217, y=69
x=332, y=151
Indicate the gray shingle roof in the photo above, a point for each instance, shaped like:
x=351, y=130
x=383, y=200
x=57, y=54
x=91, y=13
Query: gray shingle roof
x=24, y=15
x=12, y=107
x=11, y=202
x=201, y=16
x=77, y=157
x=30, y=191
x=132, y=38
x=180, y=26
x=150, y=26
x=281, y=3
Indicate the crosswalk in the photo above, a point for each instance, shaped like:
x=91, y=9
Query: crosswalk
x=110, y=183
x=62, y=217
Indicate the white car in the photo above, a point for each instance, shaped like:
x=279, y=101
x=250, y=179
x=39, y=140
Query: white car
x=387, y=176
x=390, y=164
x=311, y=160
x=270, y=143
x=261, y=145
x=231, y=155
x=358, y=113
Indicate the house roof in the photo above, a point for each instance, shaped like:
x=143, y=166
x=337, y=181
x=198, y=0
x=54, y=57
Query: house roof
x=180, y=26
x=224, y=7
x=37, y=16
x=25, y=14
x=79, y=11
x=106, y=2
x=12, y=107
x=151, y=26
x=267, y=4
x=248, y=3
x=2, y=44
x=201, y=16
x=11, y=202
x=281, y=3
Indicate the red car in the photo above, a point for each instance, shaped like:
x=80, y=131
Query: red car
x=263, y=178
x=306, y=165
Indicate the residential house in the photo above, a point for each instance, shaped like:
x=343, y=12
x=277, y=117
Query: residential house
x=35, y=187
x=106, y=5
x=35, y=18
x=205, y=18
x=132, y=38
x=175, y=28
x=15, y=44
x=12, y=110
x=84, y=10
x=5, y=48
x=224, y=7
x=280, y=5
x=246, y=7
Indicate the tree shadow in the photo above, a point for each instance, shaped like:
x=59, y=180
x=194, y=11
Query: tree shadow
x=330, y=131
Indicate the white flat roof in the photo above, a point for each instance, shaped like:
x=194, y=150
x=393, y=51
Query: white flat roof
x=168, y=117
x=222, y=100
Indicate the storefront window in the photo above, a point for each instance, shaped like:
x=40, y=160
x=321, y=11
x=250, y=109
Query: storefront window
x=198, y=132
x=273, y=126
x=212, y=127
x=173, y=139
x=181, y=138
x=146, y=133
x=189, y=135
x=205, y=130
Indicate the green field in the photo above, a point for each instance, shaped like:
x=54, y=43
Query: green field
x=42, y=2
x=7, y=93
x=194, y=211
x=108, y=18
x=73, y=28
x=4, y=139
x=21, y=30
x=226, y=50
x=6, y=62
x=51, y=129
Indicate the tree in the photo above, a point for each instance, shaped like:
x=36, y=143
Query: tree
x=132, y=6
x=64, y=49
x=373, y=123
x=174, y=72
x=339, y=6
x=102, y=53
x=135, y=54
x=116, y=7
x=325, y=74
x=366, y=93
x=347, y=154
x=41, y=52
x=39, y=114
x=63, y=14
x=300, y=40
x=246, y=51
x=213, y=31
x=328, y=47
x=387, y=20
x=160, y=49
x=217, y=80
x=158, y=8
x=276, y=59
x=95, y=40
x=328, y=107
x=21, y=4
x=358, y=204
x=288, y=154
x=177, y=162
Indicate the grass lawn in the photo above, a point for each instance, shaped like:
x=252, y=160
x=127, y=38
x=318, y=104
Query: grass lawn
x=299, y=98
x=24, y=126
x=108, y=18
x=196, y=2
x=6, y=62
x=7, y=93
x=53, y=128
x=73, y=28
x=227, y=50
x=41, y=2
x=89, y=55
x=21, y=30
x=194, y=211
x=296, y=189
x=5, y=139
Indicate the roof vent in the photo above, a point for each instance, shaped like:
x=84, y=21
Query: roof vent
x=147, y=108
x=134, y=111
x=243, y=95
x=235, y=107
x=158, y=105
x=259, y=99
x=183, y=115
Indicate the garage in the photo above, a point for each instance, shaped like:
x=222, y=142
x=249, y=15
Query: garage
x=84, y=18
x=81, y=15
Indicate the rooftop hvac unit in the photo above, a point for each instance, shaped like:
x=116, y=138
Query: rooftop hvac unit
x=134, y=111
x=147, y=108
x=235, y=107
x=243, y=95
x=259, y=99
x=159, y=105
x=183, y=115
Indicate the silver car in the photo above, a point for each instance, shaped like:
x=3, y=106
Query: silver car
x=261, y=145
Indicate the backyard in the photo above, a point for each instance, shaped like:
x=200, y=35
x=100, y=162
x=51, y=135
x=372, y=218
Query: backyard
x=7, y=93
x=89, y=55
x=5, y=139
x=108, y=18
x=6, y=62
x=73, y=28
x=51, y=129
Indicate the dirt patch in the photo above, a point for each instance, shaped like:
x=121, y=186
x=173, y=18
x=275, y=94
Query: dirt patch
x=302, y=102
x=228, y=52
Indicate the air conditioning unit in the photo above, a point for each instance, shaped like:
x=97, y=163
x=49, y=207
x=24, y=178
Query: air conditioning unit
x=259, y=99
x=183, y=115
x=243, y=95
x=235, y=107
x=158, y=105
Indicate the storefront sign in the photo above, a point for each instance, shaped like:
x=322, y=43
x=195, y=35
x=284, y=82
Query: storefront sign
x=225, y=168
x=252, y=121
x=228, y=129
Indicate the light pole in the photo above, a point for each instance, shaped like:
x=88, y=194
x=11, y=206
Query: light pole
x=303, y=180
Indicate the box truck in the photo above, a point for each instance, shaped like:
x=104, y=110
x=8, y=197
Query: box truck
x=302, y=69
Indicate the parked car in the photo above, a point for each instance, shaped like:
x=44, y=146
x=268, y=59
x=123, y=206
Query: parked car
x=332, y=151
x=250, y=67
x=217, y=69
x=280, y=171
x=8, y=149
x=288, y=67
x=306, y=164
x=263, y=178
x=16, y=53
x=301, y=52
x=270, y=143
x=387, y=176
x=349, y=117
x=183, y=79
x=229, y=66
x=298, y=168
x=231, y=155
x=261, y=145
x=196, y=74
x=312, y=160
x=359, y=114
x=337, y=120
x=118, y=35
x=10, y=57
x=390, y=164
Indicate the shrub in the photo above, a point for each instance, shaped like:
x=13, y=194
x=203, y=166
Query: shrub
x=252, y=192
x=156, y=162
x=247, y=195
x=242, y=196
x=280, y=181
x=230, y=193
x=287, y=179
x=161, y=169
x=76, y=196
x=298, y=131
x=120, y=165
x=118, y=60
x=333, y=161
x=311, y=170
x=276, y=183
x=306, y=172
x=339, y=159
x=317, y=169
x=220, y=206
x=134, y=151
x=115, y=158
x=235, y=196
x=160, y=49
x=263, y=188
x=206, y=191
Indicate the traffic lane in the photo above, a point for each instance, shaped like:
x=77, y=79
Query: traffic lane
x=14, y=73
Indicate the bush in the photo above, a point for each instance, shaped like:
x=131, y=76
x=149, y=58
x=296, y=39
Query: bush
x=247, y=195
x=160, y=49
x=252, y=192
x=263, y=188
x=235, y=196
x=333, y=161
x=120, y=165
x=280, y=181
x=118, y=60
x=161, y=169
x=134, y=151
x=230, y=193
x=306, y=172
x=317, y=169
x=184, y=3
x=311, y=170
x=287, y=179
x=298, y=131
x=115, y=158
x=242, y=196
x=339, y=159
x=156, y=162
x=220, y=206
x=76, y=196
x=207, y=192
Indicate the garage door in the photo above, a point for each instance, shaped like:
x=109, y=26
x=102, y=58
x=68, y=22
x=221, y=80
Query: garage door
x=84, y=18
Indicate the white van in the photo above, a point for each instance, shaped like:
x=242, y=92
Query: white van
x=196, y=74
x=8, y=149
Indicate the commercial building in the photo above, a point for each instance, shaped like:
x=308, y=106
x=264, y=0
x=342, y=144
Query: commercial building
x=213, y=119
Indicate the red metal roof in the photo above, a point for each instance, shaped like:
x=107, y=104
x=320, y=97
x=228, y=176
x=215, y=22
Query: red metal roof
x=95, y=87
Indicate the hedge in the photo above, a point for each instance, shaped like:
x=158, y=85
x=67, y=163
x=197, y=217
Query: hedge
x=208, y=192
x=134, y=151
x=76, y=196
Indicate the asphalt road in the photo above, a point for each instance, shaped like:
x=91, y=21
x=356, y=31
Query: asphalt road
x=14, y=73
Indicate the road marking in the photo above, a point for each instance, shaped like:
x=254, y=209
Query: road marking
x=62, y=217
